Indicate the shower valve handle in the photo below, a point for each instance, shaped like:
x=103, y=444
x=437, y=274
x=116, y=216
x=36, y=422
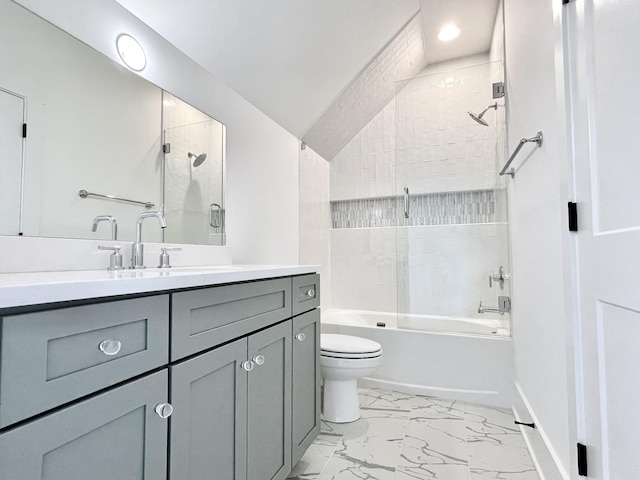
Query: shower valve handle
x=498, y=277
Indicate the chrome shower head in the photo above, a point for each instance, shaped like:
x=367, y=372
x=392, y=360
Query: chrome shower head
x=478, y=118
x=198, y=159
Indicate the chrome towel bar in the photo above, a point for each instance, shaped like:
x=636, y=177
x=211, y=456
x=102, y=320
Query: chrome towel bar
x=85, y=194
x=537, y=139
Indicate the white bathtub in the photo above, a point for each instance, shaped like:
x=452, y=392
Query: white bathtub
x=429, y=323
x=463, y=359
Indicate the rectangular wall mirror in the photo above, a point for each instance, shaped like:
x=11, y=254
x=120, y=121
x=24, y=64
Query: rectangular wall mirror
x=94, y=126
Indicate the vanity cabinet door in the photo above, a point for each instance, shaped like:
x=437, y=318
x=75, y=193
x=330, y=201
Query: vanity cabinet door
x=208, y=426
x=114, y=435
x=269, y=404
x=305, y=382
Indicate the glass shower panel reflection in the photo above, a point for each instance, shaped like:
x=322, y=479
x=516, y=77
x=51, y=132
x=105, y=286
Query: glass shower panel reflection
x=452, y=232
x=193, y=185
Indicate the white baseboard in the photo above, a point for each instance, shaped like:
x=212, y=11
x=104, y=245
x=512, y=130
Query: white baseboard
x=545, y=458
x=483, y=397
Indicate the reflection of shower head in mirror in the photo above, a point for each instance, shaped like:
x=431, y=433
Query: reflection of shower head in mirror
x=478, y=118
x=198, y=159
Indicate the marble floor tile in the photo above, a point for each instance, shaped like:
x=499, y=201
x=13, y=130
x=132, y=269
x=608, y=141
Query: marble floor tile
x=432, y=408
x=495, y=475
x=406, y=437
x=385, y=399
x=312, y=462
x=435, y=472
x=344, y=468
x=434, y=442
x=499, y=458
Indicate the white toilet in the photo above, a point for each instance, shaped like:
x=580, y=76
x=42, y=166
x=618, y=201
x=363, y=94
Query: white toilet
x=343, y=360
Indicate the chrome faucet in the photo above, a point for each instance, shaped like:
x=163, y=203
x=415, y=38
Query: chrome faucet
x=137, y=253
x=499, y=277
x=504, y=306
x=112, y=223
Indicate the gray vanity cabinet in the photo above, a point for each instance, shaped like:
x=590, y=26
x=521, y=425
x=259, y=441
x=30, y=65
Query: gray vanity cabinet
x=269, y=404
x=208, y=425
x=232, y=410
x=52, y=357
x=86, y=391
x=305, y=382
x=207, y=317
x=114, y=435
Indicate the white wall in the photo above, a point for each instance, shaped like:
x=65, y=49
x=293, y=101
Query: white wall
x=538, y=196
x=315, y=219
x=262, y=158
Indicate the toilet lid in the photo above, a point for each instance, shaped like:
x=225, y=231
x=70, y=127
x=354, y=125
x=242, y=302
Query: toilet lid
x=347, y=345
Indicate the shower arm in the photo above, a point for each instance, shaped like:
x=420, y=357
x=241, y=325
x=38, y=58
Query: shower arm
x=537, y=139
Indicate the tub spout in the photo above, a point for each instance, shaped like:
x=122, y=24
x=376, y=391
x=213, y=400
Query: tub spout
x=504, y=306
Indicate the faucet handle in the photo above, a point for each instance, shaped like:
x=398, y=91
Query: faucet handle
x=115, y=260
x=164, y=256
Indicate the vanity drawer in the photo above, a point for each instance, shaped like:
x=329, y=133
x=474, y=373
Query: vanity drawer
x=306, y=293
x=201, y=319
x=52, y=357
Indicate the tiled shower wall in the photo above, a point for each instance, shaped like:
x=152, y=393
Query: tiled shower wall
x=456, y=235
x=315, y=218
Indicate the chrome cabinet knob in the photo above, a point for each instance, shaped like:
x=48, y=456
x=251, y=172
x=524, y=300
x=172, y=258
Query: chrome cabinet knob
x=300, y=337
x=259, y=359
x=310, y=293
x=248, y=365
x=164, y=410
x=110, y=347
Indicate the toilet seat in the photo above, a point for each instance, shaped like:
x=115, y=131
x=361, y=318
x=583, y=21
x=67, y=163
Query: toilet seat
x=350, y=355
x=346, y=346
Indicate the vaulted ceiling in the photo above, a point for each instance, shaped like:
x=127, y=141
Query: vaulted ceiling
x=296, y=59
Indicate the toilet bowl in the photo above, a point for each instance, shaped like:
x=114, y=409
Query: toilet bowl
x=343, y=360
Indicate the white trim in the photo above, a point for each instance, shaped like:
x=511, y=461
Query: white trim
x=537, y=455
x=483, y=397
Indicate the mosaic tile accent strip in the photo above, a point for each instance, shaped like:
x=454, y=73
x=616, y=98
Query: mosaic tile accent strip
x=454, y=208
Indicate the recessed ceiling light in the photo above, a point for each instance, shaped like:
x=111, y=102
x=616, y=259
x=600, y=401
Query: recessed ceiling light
x=448, y=33
x=131, y=52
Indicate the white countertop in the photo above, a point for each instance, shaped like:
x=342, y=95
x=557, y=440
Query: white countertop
x=22, y=289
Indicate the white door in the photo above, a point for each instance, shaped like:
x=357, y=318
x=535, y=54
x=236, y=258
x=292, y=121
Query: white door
x=605, y=51
x=11, y=121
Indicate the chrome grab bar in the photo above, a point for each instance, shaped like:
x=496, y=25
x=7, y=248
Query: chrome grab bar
x=85, y=194
x=406, y=202
x=215, y=222
x=537, y=139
